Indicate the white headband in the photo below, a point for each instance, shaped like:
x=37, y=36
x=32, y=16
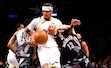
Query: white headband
x=47, y=8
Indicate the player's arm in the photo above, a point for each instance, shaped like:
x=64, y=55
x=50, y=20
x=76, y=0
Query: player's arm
x=11, y=42
x=84, y=44
x=32, y=32
x=74, y=22
x=63, y=27
x=34, y=56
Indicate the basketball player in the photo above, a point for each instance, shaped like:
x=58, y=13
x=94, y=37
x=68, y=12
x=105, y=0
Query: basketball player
x=72, y=53
x=22, y=50
x=48, y=53
x=11, y=57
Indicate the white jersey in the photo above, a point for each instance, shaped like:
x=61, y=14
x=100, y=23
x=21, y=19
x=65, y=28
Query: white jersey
x=48, y=52
x=40, y=24
x=22, y=47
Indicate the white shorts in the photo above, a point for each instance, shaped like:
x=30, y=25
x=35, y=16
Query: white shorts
x=50, y=56
x=11, y=59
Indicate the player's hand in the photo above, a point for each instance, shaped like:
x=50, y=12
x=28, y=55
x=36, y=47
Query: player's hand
x=52, y=29
x=31, y=43
x=75, y=22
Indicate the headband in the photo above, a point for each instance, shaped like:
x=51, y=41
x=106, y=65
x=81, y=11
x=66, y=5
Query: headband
x=47, y=8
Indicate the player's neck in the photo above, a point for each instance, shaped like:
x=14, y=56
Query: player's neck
x=46, y=19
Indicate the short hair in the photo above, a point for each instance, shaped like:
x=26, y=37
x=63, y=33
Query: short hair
x=47, y=4
x=18, y=25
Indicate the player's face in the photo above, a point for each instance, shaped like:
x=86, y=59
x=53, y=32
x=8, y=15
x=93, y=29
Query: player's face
x=47, y=14
x=21, y=26
x=79, y=36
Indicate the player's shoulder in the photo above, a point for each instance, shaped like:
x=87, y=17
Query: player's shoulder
x=84, y=43
x=56, y=19
x=35, y=20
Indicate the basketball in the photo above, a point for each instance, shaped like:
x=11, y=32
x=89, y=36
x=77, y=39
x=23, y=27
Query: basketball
x=41, y=37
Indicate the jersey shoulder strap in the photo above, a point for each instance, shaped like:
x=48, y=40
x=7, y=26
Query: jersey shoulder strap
x=39, y=25
x=41, y=21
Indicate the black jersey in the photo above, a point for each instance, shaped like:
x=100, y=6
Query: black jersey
x=70, y=48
